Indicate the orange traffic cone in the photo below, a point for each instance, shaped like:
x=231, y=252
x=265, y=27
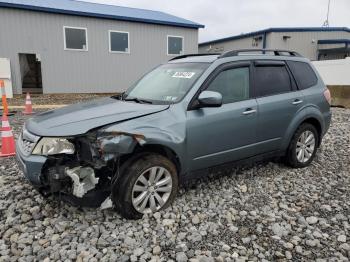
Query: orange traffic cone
x=7, y=139
x=28, y=106
x=3, y=97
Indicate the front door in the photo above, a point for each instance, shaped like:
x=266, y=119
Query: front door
x=226, y=133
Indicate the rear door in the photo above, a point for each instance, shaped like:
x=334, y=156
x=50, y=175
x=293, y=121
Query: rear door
x=278, y=102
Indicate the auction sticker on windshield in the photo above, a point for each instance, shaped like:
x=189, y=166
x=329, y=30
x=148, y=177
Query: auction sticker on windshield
x=183, y=74
x=170, y=98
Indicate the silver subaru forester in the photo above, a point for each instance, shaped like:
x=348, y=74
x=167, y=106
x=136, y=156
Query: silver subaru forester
x=176, y=123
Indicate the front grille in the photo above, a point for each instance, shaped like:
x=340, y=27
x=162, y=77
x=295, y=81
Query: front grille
x=27, y=141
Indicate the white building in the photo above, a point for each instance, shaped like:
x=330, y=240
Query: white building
x=316, y=43
x=67, y=46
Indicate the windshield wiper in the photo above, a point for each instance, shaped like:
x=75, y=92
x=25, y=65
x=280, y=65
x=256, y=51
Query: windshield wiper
x=138, y=100
x=118, y=96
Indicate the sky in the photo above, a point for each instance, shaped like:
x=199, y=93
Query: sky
x=224, y=18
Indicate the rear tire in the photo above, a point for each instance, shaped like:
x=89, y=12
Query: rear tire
x=147, y=184
x=303, y=146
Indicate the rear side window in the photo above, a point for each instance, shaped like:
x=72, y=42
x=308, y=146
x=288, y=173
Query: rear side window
x=232, y=84
x=271, y=80
x=303, y=73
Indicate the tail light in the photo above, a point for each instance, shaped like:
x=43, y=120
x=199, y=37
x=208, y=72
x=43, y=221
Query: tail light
x=327, y=95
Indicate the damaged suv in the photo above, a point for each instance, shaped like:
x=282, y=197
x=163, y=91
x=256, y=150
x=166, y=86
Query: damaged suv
x=179, y=121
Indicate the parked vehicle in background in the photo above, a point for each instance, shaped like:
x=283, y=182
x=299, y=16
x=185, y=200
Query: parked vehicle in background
x=180, y=120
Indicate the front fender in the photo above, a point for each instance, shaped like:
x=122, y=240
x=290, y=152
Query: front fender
x=165, y=129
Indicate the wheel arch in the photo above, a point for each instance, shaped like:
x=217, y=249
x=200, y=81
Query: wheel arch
x=162, y=150
x=153, y=148
x=309, y=115
x=316, y=123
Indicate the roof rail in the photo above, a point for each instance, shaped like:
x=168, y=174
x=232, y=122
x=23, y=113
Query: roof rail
x=187, y=55
x=276, y=52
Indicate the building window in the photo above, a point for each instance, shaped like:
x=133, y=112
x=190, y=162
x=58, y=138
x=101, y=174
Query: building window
x=119, y=42
x=175, y=45
x=286, y=37
x=256, y=40
x=75, y=38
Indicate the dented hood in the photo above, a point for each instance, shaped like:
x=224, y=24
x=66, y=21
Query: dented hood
x=80, y=118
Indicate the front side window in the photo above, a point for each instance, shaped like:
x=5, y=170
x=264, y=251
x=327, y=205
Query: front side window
x=75, y=38
x=232, y=84
x=272, y=80
x=175, y=45
x=167, y=83
x=119, y=42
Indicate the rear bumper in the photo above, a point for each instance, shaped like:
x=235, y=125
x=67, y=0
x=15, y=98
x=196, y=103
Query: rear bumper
x=327, y=121
x=31, y=166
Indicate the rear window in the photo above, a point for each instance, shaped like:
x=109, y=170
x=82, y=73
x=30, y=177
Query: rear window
x=303, y=73
x=271, y=80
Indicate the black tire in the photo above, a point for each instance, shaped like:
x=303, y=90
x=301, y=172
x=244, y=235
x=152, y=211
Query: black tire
x=130, y=172
x=291, y=155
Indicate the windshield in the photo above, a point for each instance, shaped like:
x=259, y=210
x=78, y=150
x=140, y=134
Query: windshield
x=166, y=84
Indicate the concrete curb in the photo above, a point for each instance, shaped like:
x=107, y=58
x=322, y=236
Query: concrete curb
x=340, y=95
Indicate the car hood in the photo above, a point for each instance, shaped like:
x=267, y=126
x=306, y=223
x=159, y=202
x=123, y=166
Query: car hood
x=80, y=118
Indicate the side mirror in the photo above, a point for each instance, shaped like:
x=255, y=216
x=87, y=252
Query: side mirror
x=210, y=99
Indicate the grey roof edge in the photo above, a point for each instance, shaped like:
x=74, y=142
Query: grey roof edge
x=97, y=15
x=276, y=30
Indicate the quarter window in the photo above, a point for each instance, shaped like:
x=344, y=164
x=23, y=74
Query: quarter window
x=271, y=80
x=75, y=38
x=175, y=45
x=303, y=73
x=118, y=42
x=232, y=84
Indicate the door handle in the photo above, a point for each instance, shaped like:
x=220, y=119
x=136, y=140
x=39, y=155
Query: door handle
x=297, y=102
x=249, y=111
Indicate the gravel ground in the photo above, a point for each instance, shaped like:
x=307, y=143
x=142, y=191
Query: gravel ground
x=265, y=212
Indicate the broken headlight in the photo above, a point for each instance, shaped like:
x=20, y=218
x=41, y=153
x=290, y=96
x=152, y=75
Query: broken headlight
x=53, y=146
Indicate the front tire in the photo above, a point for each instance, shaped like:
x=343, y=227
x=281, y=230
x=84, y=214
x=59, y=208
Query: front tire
x=146, y=185
x=303, y=146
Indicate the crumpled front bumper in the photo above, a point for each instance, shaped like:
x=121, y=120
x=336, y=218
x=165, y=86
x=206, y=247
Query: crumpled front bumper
x=31, y=166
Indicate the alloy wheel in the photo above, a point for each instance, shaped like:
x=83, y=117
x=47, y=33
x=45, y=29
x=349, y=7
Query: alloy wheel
x=305, y=146
x=152, y=189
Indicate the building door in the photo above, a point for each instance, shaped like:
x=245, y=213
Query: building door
x=30, y=67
